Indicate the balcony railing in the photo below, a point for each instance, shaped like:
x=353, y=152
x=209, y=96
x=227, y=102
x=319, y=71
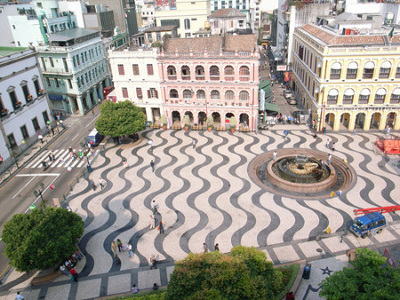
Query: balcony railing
x=185, y=77
x=200, y=77
x=383, y=75
x=214, y=77
x=368, y=75
x=351, y=76
x=172, y=77
x=335, y=76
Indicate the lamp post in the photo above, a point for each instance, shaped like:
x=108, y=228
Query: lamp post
x=84, y=148
x=12, y=155
x=39, y=192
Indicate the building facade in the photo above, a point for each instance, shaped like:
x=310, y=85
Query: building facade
x=347, y=81
x=24, y=106
x=136, y=78
x=228, y=20
x=74, y=69
x=210, y=76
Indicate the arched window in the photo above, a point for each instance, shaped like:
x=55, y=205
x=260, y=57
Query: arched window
x=336, y=68
x=185, y=71
x=398, y=71
x=244, y=96
x=201, y=95
x=352, y=70
x=229, y=73
x=171, y=71
x=214, y=73
x=384, y=71
x=187, y=94
x=395, y=97
x=380, y=96
x=368, y=70
x=244, y=73
x=363, y=98
x=200, y=73
x=333, y=96
x=173, y=94
x=214, y=95
x=229, y=95
x=348, y=96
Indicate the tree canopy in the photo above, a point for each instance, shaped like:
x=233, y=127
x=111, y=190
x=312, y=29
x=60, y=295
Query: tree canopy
x=42, y=238
x=121, y=118
x=243, y=274
x=370, y=278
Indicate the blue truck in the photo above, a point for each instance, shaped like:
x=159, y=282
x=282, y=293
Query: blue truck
x=371, y=223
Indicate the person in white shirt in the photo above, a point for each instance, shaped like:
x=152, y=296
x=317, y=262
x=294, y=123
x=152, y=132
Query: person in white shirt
x=19, y=297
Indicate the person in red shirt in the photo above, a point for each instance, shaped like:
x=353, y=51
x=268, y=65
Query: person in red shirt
x=74, y=275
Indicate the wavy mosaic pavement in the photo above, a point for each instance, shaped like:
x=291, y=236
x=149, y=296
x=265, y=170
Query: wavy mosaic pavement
x=205, y=194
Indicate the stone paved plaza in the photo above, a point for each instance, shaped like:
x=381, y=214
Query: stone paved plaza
x=205, y=194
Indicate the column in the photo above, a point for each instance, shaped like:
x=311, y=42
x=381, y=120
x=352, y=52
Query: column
x=79, y=100
x=396, y=125
x=88, y=100
x=367, y=123
x=336, y=123
x=149, y=114
x=382, y=121
x=352, y=121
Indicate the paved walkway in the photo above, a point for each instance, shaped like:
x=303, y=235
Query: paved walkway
x=205, y=195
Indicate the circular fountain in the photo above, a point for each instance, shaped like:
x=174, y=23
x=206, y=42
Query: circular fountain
x=301, y=172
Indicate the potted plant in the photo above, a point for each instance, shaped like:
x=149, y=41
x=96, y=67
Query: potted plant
x=4, y=111
x=163, y=121
x=210, y=123
x=30, y=97
x=186, y=121
x=41, y=92
x=18, y=104
x=232, y=124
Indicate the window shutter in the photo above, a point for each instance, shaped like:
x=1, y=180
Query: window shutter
x=150, y=69
x=125, y=92
x=121, y=70
x=148, y=94
x=139, y=92
x=156, y=92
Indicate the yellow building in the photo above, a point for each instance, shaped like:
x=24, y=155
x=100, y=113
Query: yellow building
x=347, y=81
x=188, y=16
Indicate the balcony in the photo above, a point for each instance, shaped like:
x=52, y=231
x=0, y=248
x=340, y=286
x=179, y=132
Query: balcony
x=351, y=76
x=383, y=75
x=185, y=77
x=200, y=77
x=214, y=77
x=172, y=77
x=229, y=78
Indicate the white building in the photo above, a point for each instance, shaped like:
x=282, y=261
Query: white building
x=390, y=10
x=33, y=27
x=77, y=7
x=242, y=5
x=228, y=20
x=136, y=78
x=268, y=5
x=24, y=107
x=74, y=69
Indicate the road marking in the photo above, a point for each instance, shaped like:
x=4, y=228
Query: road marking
x=42, y=193
x=75, y=137
x=23, y=187
x=91, y=122
x=38, y=175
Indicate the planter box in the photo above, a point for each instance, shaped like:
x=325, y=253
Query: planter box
x=244, y=129
x=155, y=126
x=220, y=128
x=176, y=127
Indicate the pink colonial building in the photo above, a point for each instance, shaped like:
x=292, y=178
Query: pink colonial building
x=215, y=75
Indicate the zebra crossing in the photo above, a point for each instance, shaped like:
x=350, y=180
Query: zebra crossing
x=63, y=159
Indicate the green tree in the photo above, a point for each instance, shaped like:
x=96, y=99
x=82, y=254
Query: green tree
x=244, y=274
x=369, y=278
x=42, y=238
x=121, y=118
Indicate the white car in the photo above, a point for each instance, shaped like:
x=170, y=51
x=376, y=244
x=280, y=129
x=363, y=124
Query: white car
x=287, y=94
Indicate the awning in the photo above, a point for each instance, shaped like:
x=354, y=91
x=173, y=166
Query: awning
x=336, y=66
x=349, y=92
x=353, y=65
x=333, y=92
x=266, y=83
x=369, y=65
x=381, y=91
x=56, y=97
x=396, y=91
x=386, y=65
x=271, y=107
x=365, y=92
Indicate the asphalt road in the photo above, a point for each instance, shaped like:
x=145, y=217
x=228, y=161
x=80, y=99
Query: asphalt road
x=17, y=195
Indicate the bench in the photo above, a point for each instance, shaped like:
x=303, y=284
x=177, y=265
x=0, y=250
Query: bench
x=220, y=128
x=244, y=129
x=39, y=280
x=155, y=126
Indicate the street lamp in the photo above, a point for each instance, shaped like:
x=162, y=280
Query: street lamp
x=39, y=193
x=84, y=148
x=13, y=155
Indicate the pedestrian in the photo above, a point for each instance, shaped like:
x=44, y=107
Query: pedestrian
x=130, y=250
x=323, y=164
x=216, y=247
x=329, y=159
x=194, y=143
x=286, y=133
x=119, y=244
x=161, y=227
x=70, y=150
x=354, y=132
x=114, y=248
x=313, y=124
x=205, y=249
x=275, y=154
x=153, y=262
x=62, y=160
x=69, y=208
x=152, y=164
x=92, y=184
x=52, y=130
x=40, y=137
x=74, y=275
x=315, y=134
x=101, y=182
x=152, y=222
x=135, y=290
x=50, y=156
x=64, y=270
x=327, y=144
x=290, y=296
x=125, y=164
x=19, y=296
x=155, y=287
x=154, y=207
x=93, y=114
x=333, y=146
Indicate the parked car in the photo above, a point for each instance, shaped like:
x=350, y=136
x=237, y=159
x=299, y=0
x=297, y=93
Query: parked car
x=301, y=116
x=291, y=101
x=287, y=94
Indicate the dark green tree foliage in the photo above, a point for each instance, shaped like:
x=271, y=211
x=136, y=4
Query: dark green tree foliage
x=118, y=119
x=370, y=278
x=42, y=238
x=243, y=274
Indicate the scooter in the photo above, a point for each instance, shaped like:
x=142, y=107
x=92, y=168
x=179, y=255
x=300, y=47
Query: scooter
x=45, y=165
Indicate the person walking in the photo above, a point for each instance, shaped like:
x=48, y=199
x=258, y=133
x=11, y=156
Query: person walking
x=194, y=143
x=51, y=156
x=154, y=207
x=130, y=250
x=152, y=222
x=135, y=290
x=92, y=184
x=216, y=247
x=93, y=114
x=125, y=164
x=161, y=227
x=114, y=248
x=19, y=296
x=333, y=146
x=152, y=164
x=327, y=144
x=101, y=182
x=329, y=159
x=119, y=244
x=74, y=275
x=275, y=154
x=153, y=262
x=205, y=249
x=40, y=137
